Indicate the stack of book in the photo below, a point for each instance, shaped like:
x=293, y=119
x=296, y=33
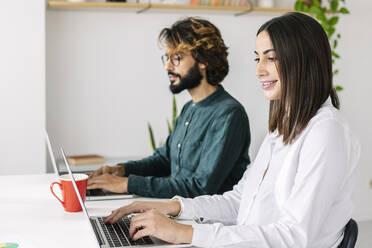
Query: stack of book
x=85, y=159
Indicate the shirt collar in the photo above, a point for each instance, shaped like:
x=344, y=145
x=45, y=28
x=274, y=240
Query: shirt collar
x=328, y=102
x=275, y=137
x=211, y=97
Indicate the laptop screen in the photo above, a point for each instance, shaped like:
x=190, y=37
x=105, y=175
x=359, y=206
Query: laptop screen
x=52, y=154
x=77, y=192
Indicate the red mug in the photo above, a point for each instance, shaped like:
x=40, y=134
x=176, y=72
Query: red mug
x=70, y=200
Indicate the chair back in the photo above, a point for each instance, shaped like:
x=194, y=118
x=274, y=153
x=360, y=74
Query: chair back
x=350, y=235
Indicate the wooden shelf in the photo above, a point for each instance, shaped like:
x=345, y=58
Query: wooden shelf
x=63, y=5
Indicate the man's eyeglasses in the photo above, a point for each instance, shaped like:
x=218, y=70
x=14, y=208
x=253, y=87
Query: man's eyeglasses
x=174, y=59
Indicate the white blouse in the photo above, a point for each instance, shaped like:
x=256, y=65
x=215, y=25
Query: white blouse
x=304, y=200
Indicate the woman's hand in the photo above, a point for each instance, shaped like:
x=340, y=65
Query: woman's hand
x=171, y=207
x=156, y=224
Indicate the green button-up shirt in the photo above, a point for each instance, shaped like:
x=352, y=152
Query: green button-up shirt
x=206, y=153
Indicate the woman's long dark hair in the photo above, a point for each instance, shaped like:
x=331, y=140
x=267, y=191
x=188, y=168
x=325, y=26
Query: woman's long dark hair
x=305, y=70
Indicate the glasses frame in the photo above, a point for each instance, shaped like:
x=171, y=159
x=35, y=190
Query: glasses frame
x=175, y=59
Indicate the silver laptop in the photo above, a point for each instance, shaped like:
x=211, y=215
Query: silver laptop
x=92, y=194
x=115, y=235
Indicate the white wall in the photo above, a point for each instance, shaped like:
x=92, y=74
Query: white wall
x=355, y=68
x=105, y=80
x=22, y=86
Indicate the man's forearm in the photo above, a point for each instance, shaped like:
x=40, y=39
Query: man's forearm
x=153, y=165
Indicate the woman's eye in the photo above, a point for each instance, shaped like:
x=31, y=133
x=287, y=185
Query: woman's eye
x=272, y=59
x=257, y=60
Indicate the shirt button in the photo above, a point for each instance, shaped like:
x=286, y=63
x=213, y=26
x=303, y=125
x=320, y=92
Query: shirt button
x=193, y=104
x=179, y=145
x=177, y=166
x=186, y=123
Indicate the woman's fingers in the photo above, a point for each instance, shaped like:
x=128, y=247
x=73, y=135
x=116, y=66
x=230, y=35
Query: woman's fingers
x=138, y=222
x=135, y=207
x=116, y=215
x=141, y=233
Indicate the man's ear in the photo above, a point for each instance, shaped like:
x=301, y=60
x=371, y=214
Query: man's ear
x=202, y=66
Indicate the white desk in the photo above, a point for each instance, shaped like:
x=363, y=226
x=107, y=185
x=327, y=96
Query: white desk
x=32, y=217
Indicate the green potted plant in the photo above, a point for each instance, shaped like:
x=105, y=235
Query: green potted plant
x=169, y=124
x=328, y=14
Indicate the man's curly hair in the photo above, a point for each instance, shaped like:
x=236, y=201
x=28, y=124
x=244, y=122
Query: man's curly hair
x=205, y=43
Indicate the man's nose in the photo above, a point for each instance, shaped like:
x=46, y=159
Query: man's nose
x=168, y=65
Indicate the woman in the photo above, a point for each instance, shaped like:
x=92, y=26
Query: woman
x=297, y=193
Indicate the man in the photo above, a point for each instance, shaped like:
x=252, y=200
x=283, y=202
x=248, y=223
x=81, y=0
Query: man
x=207, y=152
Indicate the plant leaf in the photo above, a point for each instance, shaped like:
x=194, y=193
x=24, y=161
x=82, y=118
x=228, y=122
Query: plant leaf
x=316, y=3
x=331, y=31
x=344, y=10
x=333, y=21
x=321, y=16
x=318, y=13
x=298, y=5
x=335, y=72
x=336, y=55
x=169, y=127
x=335, y=43
x=174, y=112
x=325, y=27
x=334, y=5
x=152, y=139
x=339, y=88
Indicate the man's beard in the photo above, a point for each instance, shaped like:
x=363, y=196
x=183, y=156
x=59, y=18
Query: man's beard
x=191, y=80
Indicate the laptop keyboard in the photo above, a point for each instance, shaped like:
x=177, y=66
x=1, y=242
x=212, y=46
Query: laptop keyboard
x=118, y=234
x=95, y=192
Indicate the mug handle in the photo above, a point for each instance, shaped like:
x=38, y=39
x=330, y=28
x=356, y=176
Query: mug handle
x=51, y=189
